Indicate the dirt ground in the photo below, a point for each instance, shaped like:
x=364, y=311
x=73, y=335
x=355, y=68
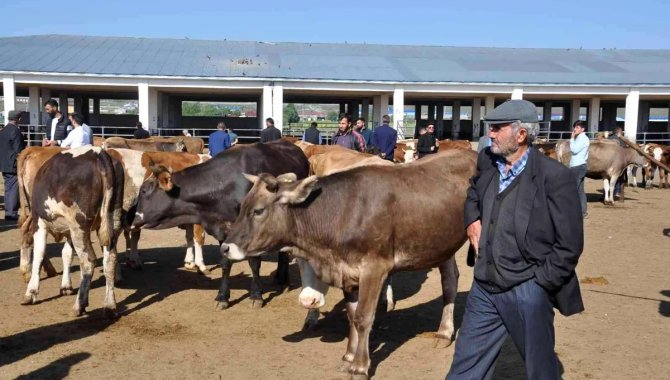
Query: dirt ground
x=169, y=328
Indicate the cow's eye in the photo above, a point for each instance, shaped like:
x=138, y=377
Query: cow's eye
x=259, y=211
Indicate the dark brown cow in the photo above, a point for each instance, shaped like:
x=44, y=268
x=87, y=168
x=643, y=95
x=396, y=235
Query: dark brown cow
x=144, y=145
x=403, y=217
x=77, y=191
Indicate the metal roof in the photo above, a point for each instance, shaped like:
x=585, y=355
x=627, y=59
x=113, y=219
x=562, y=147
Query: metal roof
x=321, y=61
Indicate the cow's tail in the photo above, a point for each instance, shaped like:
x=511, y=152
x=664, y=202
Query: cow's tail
x=110, y=210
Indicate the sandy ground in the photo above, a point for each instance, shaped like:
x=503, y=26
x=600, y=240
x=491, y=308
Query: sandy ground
x=169, y=327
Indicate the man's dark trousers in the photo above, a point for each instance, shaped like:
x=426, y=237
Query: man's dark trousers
x=524, y=312
x=11, y=194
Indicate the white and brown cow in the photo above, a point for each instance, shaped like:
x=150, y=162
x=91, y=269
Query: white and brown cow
x=144, y=145
x=75, y=192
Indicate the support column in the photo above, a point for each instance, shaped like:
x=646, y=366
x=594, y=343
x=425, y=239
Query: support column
x=399, y=111
x=78, y=105
x=165, y=111
x=266, y=106
x=455, y=119
x=643, y=117
x=352, y=109
x=489, y=104
x=439, y=120
x=9, y=89
x=609, y=116
x=62, y=102
x=343, y=108
x=95, y=119
x=376, y=110
x=546, y=112
x=365, y=109
x=417, y=119
x=632, y=106
x=574, y=110
x=85, y=111
x=34, y=105
x=148, y=106
x=46, y=95
x=431, y=112
x=476, y=118
x=594, y=115
x=517, y=93
x=278, y=106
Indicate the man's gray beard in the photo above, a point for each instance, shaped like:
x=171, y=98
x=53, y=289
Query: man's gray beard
x=507, y=153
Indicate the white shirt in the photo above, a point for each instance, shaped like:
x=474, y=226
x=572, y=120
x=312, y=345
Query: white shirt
x=54, y=122
x=78, y=137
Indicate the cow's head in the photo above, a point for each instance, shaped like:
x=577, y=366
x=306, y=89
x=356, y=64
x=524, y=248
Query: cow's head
x=156, y=200
x=264, y=223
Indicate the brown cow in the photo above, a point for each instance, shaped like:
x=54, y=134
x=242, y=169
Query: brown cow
x=144, y=145
x=455, y=144
x=312, y=149
x=656, y=151
x=403, y=217
x=342, y=159
x=194, y=145
x=77, y=191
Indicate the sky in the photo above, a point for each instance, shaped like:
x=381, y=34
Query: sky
x=589, y=24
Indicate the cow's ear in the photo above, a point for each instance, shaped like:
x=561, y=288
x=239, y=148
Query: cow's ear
x=251, y=178
x=165, y=180
x=298, y=193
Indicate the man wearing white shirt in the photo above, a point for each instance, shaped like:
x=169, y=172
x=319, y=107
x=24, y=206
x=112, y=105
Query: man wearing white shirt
x=78, y=137
x=579, y=147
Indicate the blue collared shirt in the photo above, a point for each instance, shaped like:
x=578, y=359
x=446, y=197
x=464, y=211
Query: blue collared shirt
x=579, y=147
x=506, y=177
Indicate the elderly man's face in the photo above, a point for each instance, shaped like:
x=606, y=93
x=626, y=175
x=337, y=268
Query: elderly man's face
x=504, y=141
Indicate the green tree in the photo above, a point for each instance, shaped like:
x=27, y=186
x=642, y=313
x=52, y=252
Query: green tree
x=291, y=114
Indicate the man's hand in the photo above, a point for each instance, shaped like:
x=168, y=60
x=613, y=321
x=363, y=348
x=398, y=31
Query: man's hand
x=474, y=230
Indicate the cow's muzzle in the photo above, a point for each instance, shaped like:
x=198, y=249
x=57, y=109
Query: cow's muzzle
x=232, y=251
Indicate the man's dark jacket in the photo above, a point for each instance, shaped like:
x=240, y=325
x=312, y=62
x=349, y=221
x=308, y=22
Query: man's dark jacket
x=61, y=127
x=270, y=134
x=548, y=223
x=11, y=144
x=141, y=133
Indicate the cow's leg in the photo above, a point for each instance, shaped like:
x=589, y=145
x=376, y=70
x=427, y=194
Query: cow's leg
x=133, y=261
x=281, y=277
x=312, y=295
x=606, y=188
x=40, y=245
x=26, y=248
x=66, y=280
x=663, y=178
x=109, y=264
x=81, y=238
x=223, y=297
x=369, y=289
x=256, y=290
x=612, y=182
x=351, y=299
x=189, y=259
x=632, y=175
x=198, y=243
x=449, y=275
x=387, y=294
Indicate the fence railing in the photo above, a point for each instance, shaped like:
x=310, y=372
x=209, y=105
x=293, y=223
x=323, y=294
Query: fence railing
x=641, y=137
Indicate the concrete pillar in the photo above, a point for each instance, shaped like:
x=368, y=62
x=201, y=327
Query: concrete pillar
x=95, y=120
x=399, y=111
x=164, y=111
x=148, y=99
x=439, y=120
x=546, y=112
x=376, y=110
x=417, y=119
x=609, y=116
x=431, y=112
x=278, y=106
x=643, y=117
x=489, y=103
x=78, y=105
x=517, y=93
x=455, y=119
x=85, y=112
x=574, y=110
x=9, y=89
x=632, y=107
x=34, y=105
x=62, y=102
x=476, y=118
x=365, y=109
x=266, y=106
x=46, y=95
x=343, y=108
x=352, y=109
x=594, y=115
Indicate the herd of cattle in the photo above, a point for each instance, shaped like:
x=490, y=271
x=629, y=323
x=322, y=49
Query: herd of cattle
x=351, y=219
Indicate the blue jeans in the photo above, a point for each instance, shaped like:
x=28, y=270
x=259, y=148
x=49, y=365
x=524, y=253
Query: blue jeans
x=524, y=312
x=11, y=194
x=580, y=173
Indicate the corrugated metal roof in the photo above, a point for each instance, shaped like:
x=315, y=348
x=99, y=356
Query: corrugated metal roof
x=317, y=61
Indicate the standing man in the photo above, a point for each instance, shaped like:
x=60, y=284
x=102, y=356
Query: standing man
x=270, y=133
x=232, y=135
x=428, y=144
x=57, y=124
x=11, y=144
x=384, y=138
x=363, y=130
x=140, y=132
x=312, y=135
x=346, y=137
x=219, y=140
x=524, y=223
x=579, y=147
x=78, y=136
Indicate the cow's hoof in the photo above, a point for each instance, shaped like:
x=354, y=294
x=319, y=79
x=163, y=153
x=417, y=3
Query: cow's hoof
x=256, y=303
x=78, y=311
x=134, y=265
x=29, y=299
x=358, y=376
x=442, y=342
x=190, y=266
x=110, y=313
x=344, y=366
x=203, y=270
x=390, y=306
x=222, y=305
x=66, y=291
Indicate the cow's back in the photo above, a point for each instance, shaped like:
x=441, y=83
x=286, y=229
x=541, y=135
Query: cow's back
x=29, y=162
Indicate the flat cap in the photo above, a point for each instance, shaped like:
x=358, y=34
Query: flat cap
x=511, y=111
x=14, y=115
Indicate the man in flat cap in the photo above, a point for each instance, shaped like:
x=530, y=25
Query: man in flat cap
x=11, y=144
x=524, y=221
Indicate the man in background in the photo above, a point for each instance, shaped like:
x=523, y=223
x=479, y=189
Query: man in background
x=384, y=138
x=11, y=144
x=57, y=124
x=140, y=132
x=270, y=133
